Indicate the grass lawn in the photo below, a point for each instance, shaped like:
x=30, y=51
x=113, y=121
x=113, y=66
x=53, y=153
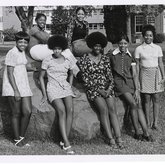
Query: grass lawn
x=94, y=146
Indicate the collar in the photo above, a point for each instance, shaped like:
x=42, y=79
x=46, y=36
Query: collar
x=51, y=57
x=145, y=45
x=116, y=51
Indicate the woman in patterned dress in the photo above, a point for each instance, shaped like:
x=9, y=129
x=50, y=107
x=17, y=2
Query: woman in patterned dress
x=96, y=73
x=151, y=73
x=58, y=90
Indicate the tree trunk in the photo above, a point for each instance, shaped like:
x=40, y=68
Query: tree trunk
x=128, y=24
x=25, y=17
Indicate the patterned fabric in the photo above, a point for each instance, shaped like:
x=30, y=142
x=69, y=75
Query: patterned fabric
x=77, y=30
x=57, y=86
x=18, y=60
x=96, y=76
x=122, y=71
x=149, y=80
x=148, y=54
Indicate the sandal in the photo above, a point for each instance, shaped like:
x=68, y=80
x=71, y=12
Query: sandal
x=68, y=150
x=119, y=143
x=138, y=137
x=61, y=144
x=21, y=142
x=112, y=143
x=154, y=127
x=148, y=138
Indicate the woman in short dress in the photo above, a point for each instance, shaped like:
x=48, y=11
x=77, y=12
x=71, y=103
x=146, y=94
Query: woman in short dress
x=97, y=77
x=151, y=73
x=59, y=69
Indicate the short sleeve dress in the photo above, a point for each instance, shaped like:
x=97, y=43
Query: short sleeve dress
x=96, y=76
x=150, y=75
x=18, y=60
x=57, y=86
x=121, y=64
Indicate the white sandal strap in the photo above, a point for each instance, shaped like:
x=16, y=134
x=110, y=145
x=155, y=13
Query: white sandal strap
x=17, y=141
x=66, y=148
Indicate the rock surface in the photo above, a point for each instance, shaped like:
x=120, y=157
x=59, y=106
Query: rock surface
x=44, y=121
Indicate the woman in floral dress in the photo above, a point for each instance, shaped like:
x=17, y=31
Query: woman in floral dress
x=96, y=73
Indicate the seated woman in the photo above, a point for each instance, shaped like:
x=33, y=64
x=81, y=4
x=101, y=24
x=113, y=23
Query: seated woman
x=77, y=31
x=38, y=48
x=96, y=74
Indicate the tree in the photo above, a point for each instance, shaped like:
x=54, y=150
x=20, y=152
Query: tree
x=25, y=15
x=125, y=15
x=62, y=16
x=114, y=21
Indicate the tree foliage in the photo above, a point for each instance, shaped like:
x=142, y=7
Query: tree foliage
x=64, y=15
x=116, y=15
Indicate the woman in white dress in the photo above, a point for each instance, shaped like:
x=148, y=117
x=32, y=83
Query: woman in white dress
x=59, y=69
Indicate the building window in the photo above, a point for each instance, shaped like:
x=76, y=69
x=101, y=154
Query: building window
x=151, y=20
x=90, y=26
x=101, y=26
x=101, y=12
x=95, y=12
x=95, y=26
x=138, y=23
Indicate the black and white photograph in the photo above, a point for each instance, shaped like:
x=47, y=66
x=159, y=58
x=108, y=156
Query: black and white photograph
x=82, y=79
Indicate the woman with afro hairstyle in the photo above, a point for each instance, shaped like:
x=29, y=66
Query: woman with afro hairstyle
x=59, y=90
x=96, y=74
x=151, y=73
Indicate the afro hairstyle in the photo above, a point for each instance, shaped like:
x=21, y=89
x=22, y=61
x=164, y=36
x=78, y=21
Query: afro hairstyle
x=148, y=28
x=96, y=38
x=57, y=41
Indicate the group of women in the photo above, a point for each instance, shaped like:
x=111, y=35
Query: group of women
x=104, y=76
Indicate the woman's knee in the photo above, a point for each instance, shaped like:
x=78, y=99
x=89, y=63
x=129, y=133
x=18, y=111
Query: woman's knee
x=133, y=106
x=27, y=112
x=16, y=114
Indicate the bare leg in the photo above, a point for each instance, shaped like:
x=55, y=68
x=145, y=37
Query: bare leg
x=113, y=116
x=69, y=113
x=26, y=113
x=59, y=106
x=155, y=100
x=133, y=109
x=104, y=116
x=16, y=108
x=147, y=99
x=142, y=122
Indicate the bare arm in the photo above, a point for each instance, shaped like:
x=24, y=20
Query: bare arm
x=161, y=67
x=43, y=89
x=41, y=36
x=10, y=70
x=135, y=73
x=70, y=77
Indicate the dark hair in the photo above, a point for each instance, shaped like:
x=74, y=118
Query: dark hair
x=148, y=28
x=57, y=41
x=96, y=38
x=80, y=8
x=39, y=15
x=121, y=37
x=22, y=35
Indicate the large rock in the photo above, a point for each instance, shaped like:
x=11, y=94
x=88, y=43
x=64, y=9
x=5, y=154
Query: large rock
x=44, y=121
